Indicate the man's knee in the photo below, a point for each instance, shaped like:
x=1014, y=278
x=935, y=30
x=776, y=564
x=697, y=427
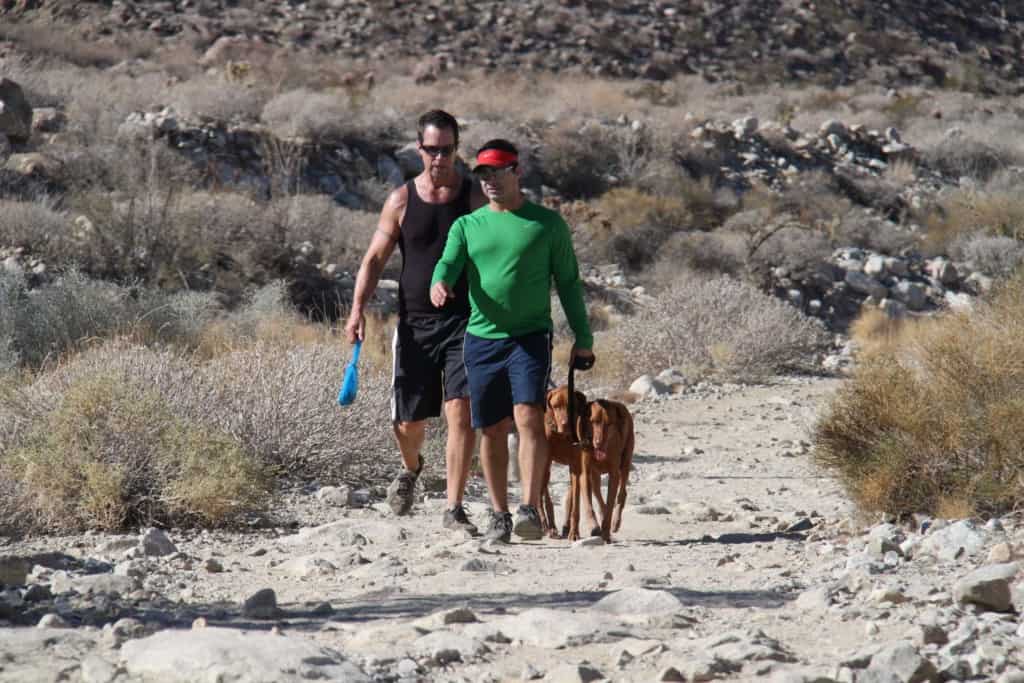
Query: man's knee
x=498, y=430
x=407, y=429
x=457, y=414
x=529, y=417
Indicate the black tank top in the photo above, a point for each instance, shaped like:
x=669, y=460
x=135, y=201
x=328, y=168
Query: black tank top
x=424, y=231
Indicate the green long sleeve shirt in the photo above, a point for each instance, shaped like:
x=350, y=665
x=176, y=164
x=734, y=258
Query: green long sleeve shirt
x=511, y=258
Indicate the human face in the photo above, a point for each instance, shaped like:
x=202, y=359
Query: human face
x=498, y=183
x=437, y=150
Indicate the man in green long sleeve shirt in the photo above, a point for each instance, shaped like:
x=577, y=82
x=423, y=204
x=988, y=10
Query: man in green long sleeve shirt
x=511, y=250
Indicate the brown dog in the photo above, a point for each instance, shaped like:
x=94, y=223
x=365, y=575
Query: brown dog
x=564, y=452
x=611, y=453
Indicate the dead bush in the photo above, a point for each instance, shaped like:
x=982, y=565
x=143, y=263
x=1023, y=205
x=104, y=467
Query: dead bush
x=993, y=255
x=959, y=156
x=319, y=116
x=964, y=213
x=719, y=326
x=219, y=99
x=112, y=455
x=70, y=46
x=576, y=161
x=632, y=225
x=35, y=226
x=934, y=420
x=711, y=253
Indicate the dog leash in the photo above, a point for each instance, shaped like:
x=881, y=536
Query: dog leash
x=578, y=363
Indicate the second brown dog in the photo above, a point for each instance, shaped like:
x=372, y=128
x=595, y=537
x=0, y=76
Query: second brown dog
x=610, y=452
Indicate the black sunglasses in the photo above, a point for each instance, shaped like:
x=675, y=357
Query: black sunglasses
x=488, y=172
x=438, y=151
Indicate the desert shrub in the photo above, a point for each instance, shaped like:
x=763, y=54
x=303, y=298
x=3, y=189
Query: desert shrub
x=68, y=45
x=963, y=213
x=45, y=323
x=113, y=455
x=712, y=253
x=218, y=99
x=960, y=156
x=277, y=401
x=32, y=225
x=862, y=228
x=633, y=225
x=934, y=421
x=720, y=326
x=576, y=162
x=281, y=404
x=321, y=116
x=992, y=255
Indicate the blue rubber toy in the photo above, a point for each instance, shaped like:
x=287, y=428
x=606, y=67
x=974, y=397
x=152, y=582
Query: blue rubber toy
x=350, y=384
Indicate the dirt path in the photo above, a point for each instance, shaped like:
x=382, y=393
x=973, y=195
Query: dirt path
x=727, y=566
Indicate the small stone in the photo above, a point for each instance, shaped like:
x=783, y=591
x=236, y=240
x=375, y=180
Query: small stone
x=156, y=543
x=52, y=621
x=213, y=566
x=198, y=623
x=261, y=605
x=671, y=674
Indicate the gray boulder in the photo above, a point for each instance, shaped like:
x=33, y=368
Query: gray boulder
x=988, y=587
x=15, y=112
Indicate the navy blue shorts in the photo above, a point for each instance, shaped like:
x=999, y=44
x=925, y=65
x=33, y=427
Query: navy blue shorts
x=506, y=372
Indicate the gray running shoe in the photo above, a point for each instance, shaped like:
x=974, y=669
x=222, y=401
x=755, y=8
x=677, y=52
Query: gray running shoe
x=527, y=525
x=500, y=528
x=402, y=490
x=456, y=519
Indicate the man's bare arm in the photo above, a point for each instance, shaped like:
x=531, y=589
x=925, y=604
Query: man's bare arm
x=382, y=245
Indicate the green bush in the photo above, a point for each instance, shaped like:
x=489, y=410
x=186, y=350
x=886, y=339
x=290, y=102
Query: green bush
x=113, y=455
x=933, y=421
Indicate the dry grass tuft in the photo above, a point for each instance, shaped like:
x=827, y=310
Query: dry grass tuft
x=934, y=421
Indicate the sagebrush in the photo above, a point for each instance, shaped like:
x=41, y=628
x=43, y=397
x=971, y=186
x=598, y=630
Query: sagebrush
x=933, y=418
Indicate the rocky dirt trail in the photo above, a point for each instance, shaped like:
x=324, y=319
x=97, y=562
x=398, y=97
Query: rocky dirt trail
x=737, y=560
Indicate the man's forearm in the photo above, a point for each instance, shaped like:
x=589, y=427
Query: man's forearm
x=366, y=284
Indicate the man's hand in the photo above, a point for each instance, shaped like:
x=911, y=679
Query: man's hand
x=585, y=355
x=440, y=293
x=355, y=327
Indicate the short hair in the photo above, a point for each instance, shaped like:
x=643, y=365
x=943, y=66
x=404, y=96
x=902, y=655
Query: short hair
x=499, y=143
x=439, y=119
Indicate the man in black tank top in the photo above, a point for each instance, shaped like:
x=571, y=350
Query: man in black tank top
x=428, y=368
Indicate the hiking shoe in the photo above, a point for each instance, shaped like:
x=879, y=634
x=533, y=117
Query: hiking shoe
x=527, y=525
x=501, y=527
x=455, y=519
x=401, y=490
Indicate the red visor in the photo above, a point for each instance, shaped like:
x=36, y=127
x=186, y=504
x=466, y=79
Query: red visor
x=495, y=157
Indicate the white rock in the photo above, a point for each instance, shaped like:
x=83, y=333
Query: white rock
x=231, y=655
x=338, y=496
x=646, y=385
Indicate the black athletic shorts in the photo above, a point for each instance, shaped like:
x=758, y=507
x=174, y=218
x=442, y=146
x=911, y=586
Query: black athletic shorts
x=428, y=366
